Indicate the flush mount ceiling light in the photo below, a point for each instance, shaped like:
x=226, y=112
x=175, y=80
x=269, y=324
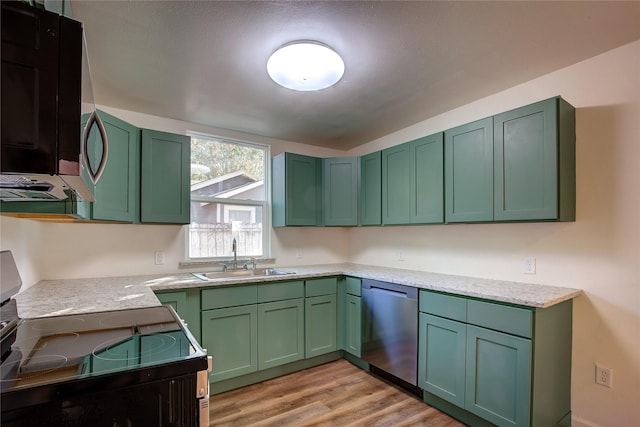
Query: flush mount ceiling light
x=305, y=66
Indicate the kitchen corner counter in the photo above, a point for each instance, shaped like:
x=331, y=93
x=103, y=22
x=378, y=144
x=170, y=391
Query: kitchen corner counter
x=73, y=296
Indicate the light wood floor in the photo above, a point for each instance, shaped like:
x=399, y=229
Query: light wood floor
x=336, y=394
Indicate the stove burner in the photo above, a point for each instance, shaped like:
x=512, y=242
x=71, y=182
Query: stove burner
x=56, y=324
x=37, y=369
x=136, y=350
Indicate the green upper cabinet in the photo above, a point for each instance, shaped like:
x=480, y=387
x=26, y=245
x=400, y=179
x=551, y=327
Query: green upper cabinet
x=534, y=162
x=296, y=190
x=427, y=180
x=395, y=185
x=135, y=175
x=412, y=182
x=164, y=177
x=340, y=191
x=468, y=171
x=114, y=165
x=371, y=189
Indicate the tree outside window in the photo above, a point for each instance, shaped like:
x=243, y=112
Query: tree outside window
x=228, y=198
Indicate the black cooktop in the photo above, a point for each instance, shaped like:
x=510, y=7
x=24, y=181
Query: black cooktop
x=85, y=351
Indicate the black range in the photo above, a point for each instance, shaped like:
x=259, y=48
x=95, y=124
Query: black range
x=134, y=367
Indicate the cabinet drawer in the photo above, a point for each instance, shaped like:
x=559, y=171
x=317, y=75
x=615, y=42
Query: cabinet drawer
x=280, y=291
x=229, y=297
x=512, y=320
x=317, y=287
x=353, y=286
x=442, y=305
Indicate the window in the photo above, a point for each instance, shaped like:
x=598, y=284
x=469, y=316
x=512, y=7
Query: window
x=228, y=198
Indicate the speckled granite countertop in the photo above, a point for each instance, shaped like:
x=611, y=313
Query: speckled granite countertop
x=58, y=297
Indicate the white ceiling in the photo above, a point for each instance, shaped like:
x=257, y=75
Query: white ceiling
x=205, y=61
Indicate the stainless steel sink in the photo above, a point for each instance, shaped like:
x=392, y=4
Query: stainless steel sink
x=230, y=274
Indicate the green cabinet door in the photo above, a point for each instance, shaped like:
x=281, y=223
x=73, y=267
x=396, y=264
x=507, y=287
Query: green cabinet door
x=280, y=332
x=321, y=331
x=230, y=336
x=468, y=170
x=296, y=190
x=396, y=194
x=353, y=325
x=116, y=189
x=187, y=304
x=534, y=162
x=165, y=177
x=177, y=300
x=442, y=357
x=371, y=189
x=340, y=191
x=413, y=182
x=427, y=180
x=498, y=377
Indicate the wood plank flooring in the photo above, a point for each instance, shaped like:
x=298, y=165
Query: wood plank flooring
x=334, y=394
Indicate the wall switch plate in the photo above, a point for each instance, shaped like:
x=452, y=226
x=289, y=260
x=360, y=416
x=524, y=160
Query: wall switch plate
x=529, y=266
x=159, y=257
x=604, y=376
x=401, y=255
x=299, y=253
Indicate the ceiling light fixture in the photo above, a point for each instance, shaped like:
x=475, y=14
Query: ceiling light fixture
x=305, y=66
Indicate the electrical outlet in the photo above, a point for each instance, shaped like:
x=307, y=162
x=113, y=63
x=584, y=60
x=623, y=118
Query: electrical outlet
x=401, y=255
x=604, y=376
x=159, y=257
x=299, y=253
x=529, y=266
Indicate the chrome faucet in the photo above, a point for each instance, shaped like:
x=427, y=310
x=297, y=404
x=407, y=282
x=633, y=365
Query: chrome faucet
x=234, y=249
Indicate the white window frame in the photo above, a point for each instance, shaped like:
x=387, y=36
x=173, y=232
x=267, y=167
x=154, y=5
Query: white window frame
x=265, y=204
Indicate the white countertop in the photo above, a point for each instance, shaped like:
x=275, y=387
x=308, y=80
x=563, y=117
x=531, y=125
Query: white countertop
x=72, y=296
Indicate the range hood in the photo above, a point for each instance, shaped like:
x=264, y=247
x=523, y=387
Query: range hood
x=42, y=77
x=42, y=187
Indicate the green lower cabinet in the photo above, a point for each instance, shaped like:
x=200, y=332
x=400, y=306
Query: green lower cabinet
x=498, y=375
x=442, y=357
x=320, y=325
x=230, y=336
x=187, y=304
x=353, y=325
x=280, y=332
x=486, y=362
x=177, y=300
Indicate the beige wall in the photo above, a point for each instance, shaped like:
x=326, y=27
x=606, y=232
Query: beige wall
x=599, y=253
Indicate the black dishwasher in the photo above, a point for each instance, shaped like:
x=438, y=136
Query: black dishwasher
x=390, y=331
